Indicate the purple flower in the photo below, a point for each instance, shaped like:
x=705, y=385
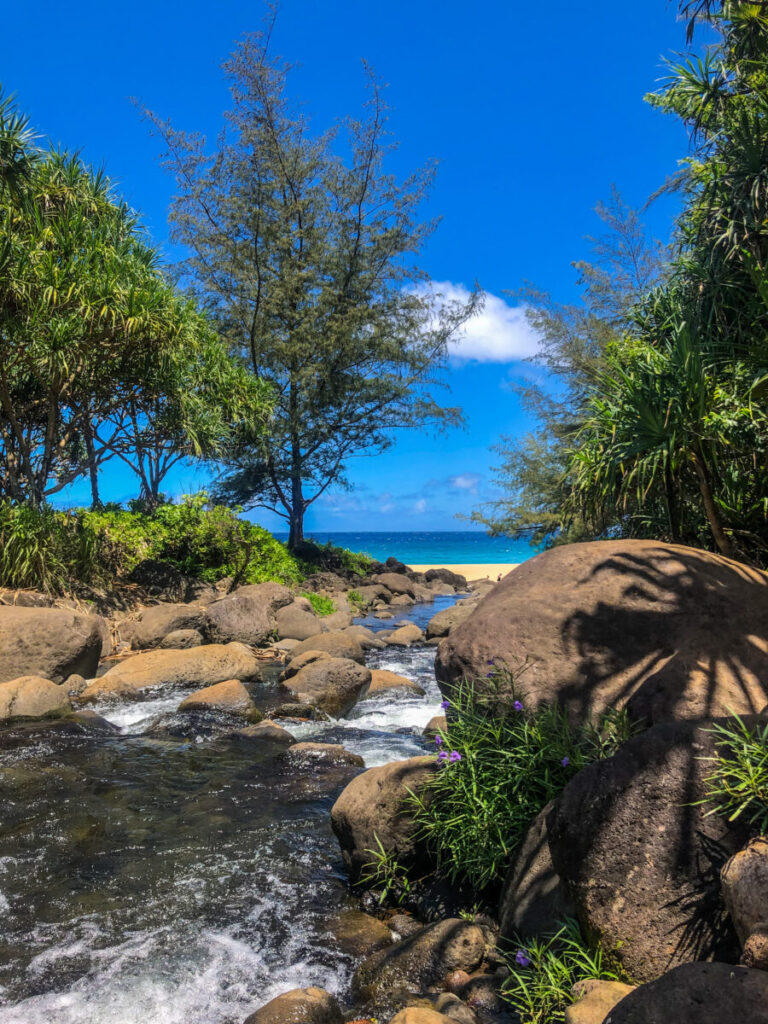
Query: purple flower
x=565, y=762
x=454, y=757
x=438, y=741
x=522, y=959
x=518, y=706
x=489, y=676
x=445, y=704
x=490, y=662
x=442, y=756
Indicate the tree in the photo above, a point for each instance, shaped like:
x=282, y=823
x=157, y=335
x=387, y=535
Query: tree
x=307, y=261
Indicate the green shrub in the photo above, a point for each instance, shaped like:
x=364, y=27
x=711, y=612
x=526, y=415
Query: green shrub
x=320, y=605
x=738, y=782
x=330, y=558
x=543, y=972
x=356, y=599
x=46, y=550
x=502, y=769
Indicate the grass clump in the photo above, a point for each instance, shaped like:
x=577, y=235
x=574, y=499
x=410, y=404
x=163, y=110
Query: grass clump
x=321, y=605
x=499, y=769
x=738, y=782
x=544, y=971
x=356, y=599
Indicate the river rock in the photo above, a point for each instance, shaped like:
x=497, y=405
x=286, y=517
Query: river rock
x=181, y=640
x=595, y=1000
x=359, y=934
x=405, y=636
x=373, y=592
x=299, y=1006
x=32, y=697
x=374, y=809
x=229, y=697
x=418, y=963
x=332, y=684
x=437, y=724
x=396, y=584
x=202, y=666
x=297, y=621
x=641, y=857
x=263, y=732
x=421, y=1015
x=534, y=900
x=334, y=753
x=248, y=614
x=157, y=622
x=366, y=638
x=52, y=643
x=402, y=601
x=338, y=644
x=448, y=619
x=453, y=579
x=384, y=681
x=745, y=891
x=697, y=993
x=672, y=632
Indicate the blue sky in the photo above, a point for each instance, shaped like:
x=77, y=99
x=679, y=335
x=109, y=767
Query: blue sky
x=532, y=110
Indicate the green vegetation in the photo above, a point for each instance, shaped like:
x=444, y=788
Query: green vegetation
x=663, y=430
x=320, y=605
x=56, y=551
x=307, y=260
x=738, y=782
x=384, y=875
x=355, y=598
x=544, y=970
x=477, y=809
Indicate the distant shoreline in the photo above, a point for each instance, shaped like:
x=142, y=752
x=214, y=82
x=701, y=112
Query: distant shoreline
x=471, y=570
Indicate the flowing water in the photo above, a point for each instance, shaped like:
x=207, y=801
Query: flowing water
x=153, y=878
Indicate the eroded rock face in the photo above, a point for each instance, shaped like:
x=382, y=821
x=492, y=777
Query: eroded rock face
x=32, y=697
x=641, y=858
x=672, y=632
x=53, y=643
x=418, y=963
x=300, y=1006
x=229, y=697
x=248, y=614
x=160, y=620
x=336, y=643
x=697, y=993
x=374, y=809
x=202, y=666
x=332, y=684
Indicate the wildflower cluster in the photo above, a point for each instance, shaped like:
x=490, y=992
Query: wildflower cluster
x=443, y=755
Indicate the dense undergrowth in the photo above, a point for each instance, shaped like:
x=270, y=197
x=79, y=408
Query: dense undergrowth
x=57, y=551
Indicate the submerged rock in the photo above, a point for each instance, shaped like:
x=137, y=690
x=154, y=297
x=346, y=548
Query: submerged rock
x=52, y=643
x=334, y=753
x=359, y=934
x=32, y=697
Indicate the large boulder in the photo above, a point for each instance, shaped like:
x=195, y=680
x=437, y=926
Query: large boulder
x=299, y=1006
x=200, y=666
x=418, y=963
x=445, y=621
x=158, y=621
x=337, y=643
x=297, y=621
x=53, y=643
x=405, y=635
x=670, y=631
x=640, y=855
x=534, y=901
x=32, y=697
x=396, y=584
x=247, y=614
x=443, y=575
x=332, y=684
x=228, y=698
x=697, y=993
x=384, y=681
x=374, y=809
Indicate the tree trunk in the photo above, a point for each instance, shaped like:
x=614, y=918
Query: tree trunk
x=713, y=518
x=296, y=513
x=93, y=469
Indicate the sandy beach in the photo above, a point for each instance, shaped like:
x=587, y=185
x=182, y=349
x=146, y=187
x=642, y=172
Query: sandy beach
x=491, y=571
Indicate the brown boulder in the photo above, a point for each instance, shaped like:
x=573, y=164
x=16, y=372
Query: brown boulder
x=405, y=636
x=297, y=621
x=156, y=622
x=201, y=666
x=595, y=1000
x=337, y=643
x=32, y=697
x=263, y=732
x=53, y=643
x=396, y=584
x=332, y=684
x=697, y=993
x=421, y=1015
x=670, y=631
x=744, y=881
x=437, y=724
x=448, y=619
x=359, y=934
x=181, y=640
x=640, y=855
x=374, y=809
x=300, y=1006
x=229, y=697
x=442, y=575
x=247, y=614
x=384, y=681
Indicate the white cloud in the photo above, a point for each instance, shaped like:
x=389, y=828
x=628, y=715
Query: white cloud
x=500, y=333
x=465, y=482
x=420, y=506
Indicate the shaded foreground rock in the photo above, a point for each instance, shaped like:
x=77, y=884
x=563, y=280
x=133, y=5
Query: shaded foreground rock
x=596, y=999
x=229, y=697
x=641, y=858
x=299, y=1006
x=247, y=614
x=374, y=807
x=418, y=963
x=672, y=632
x=32, y=697
x=697, y=993
x=332, y=684
x=53, y=643
x=745, y=891
x=201, y=666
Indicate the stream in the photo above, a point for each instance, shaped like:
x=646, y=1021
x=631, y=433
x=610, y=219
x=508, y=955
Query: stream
x=162, y=875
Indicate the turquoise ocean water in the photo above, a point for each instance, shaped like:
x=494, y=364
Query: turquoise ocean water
x=440, y=547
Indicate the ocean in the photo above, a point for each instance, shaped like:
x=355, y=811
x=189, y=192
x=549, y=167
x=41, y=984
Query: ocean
x=446, y=547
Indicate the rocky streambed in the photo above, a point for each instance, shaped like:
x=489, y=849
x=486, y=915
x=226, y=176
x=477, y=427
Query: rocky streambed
x=164, y=874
